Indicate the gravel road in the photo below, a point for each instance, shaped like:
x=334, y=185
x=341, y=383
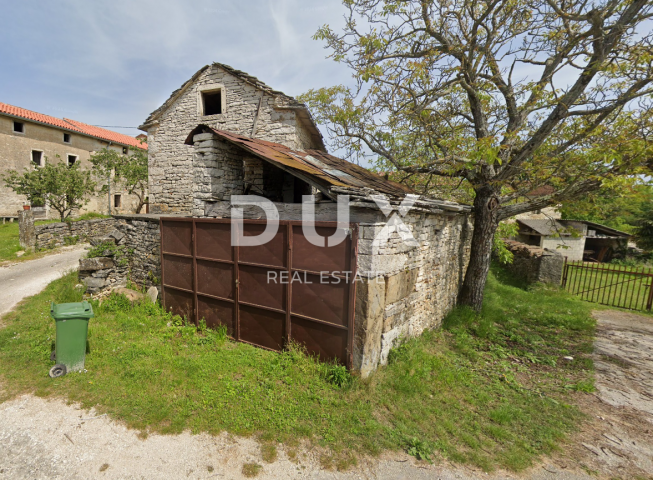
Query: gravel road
x=23, y=279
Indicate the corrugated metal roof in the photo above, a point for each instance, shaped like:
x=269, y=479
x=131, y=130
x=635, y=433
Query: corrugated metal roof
x=325, y=170
x=544, y=226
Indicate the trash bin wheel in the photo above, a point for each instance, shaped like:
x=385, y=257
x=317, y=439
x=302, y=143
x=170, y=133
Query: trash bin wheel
x=59, y=370
x=53, y=356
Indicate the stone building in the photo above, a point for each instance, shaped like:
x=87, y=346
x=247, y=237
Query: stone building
x=28, y=138
x=225, y=133
x=223, y=98
x=573, y=239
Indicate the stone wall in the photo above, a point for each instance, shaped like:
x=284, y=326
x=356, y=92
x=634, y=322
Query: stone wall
x=135, y=258
x=406, y=289
x=171, y=162
x=53, y=235
x=533, y=264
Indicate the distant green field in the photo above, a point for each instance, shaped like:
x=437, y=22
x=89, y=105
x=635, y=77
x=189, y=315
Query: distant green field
x=617, y=286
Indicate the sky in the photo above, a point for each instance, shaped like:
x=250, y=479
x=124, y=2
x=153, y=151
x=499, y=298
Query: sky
x=111, y=63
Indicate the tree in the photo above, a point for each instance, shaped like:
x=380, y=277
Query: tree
x=503, y=96
x=105, y=163
x=130, y=172
x=133, y=176
x=622, y=206
x=61, y=186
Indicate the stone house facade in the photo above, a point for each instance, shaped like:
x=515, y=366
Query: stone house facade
x=223, y=98
x=28, y=139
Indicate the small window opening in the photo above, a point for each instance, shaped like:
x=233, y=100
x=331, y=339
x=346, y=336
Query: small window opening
x=37, y=158
x=66, y=138
x=212, y=102
x=117, y=200
x=124, y=150
x=72, y=160
x=19, y=127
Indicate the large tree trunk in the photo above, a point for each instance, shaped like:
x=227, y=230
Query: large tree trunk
x=485, y=225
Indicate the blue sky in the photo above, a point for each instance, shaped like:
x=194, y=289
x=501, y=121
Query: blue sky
x=113, y=62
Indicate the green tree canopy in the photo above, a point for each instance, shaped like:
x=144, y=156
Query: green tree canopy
x=501, y=95
x=58, y=185
x=127, y=171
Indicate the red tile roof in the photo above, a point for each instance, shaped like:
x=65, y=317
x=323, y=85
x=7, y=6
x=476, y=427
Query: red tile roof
x=72, y=125
x=107, y=134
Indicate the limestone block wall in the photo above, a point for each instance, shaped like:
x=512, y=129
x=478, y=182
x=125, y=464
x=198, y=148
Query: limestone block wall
x=533, y=264
x=217, y=171
x=171, y=162
x=52, y=235
x=406, y=289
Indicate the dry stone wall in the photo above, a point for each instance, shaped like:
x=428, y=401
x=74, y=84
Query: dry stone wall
x=53, y=235
x=133, y=256
x=533, y=264
x=171, y=170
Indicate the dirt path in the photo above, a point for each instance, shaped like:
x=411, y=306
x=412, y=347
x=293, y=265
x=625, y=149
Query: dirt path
x=23, y=279
x=47, y=439
x=617, y=441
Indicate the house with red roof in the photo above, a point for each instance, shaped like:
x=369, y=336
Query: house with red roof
x=29, y=139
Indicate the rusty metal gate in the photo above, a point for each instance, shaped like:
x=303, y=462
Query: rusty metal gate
x=613, y=285
x=287, y=289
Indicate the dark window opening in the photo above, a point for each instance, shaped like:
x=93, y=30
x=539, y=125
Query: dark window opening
x=66, y=138
x=117, y=200
x=72, y=159
x=19, y=127
x=124, y=150
x=212, y=102
x=37, y=158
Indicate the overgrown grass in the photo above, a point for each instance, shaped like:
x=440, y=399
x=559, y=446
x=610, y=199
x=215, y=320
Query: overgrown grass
x=9, y=244
x=490, y=390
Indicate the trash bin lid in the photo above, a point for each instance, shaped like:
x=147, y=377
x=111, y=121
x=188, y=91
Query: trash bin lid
x=64, y=311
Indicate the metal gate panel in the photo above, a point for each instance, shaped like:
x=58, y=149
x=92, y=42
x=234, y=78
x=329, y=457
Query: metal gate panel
x=287, y=289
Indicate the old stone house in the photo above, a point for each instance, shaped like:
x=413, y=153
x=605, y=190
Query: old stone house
x=28, y=138
x=574, y=239
x=223, y=98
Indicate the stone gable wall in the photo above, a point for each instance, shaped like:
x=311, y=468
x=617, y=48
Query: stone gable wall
x=171, y=161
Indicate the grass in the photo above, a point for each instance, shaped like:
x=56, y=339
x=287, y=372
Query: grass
x=489, y=390
x=9, y=244
x=622, y=289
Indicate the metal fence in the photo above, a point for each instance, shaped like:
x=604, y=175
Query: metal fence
x=613, y=285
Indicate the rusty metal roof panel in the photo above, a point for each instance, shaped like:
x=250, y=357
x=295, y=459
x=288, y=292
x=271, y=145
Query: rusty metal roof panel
x=323, y=167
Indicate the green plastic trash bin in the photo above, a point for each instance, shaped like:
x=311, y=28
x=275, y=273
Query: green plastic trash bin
x=72, y=328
